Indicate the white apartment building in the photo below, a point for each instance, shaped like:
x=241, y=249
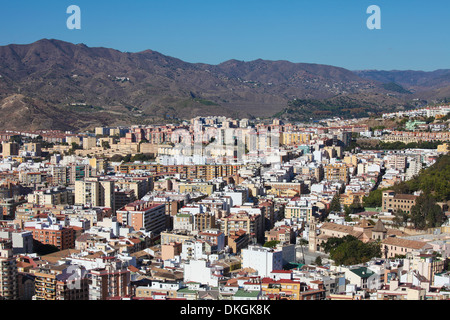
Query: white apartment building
x=204, y=272
x=264, y=260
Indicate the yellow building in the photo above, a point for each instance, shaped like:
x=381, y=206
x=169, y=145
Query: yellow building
x=337, y=172
x=10, y=149
x=296, y=211
x=288, y=289
x=347, y=199
x=89, y=143
x=334, y=151
x=292, y=138
x=202, y=187
x=353, y=159
x=100, y=165
x=442, y=147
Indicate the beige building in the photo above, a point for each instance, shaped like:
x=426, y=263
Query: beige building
x=393, y=246
x=179, y=236
x=252, y=224
x=55, y=196
x=202, y=187
x=140, y=185
x=337, y=172
x=95, y=192
x=295, y=210
x=397, y=291
x=100, y=165
x=334, y=151
x=396, y=161
x=34, y=148
x=170, y=250
x=73, y=139
x=89, y=143
x=392, y=202
x=10, y=149
x=286, y=188
x=203, y=221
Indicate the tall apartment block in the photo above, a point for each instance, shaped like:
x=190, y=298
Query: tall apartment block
x=95, y=192
x=8, y=272
x=111, y=281
x=10, y=149
x=144, y=215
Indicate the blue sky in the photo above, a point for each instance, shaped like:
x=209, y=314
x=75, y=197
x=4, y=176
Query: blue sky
x=415, y=35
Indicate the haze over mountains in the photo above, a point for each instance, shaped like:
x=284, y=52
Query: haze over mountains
x=51, y=84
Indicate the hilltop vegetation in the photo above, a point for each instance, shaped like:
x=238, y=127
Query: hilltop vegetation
x=343, y=106
x=348, y=250
x=434, y=181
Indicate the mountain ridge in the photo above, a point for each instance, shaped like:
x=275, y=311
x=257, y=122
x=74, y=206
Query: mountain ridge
x=146, y=87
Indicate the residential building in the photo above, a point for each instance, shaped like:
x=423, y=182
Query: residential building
x=95, y=192
x=143, y=215
x=112, y=280
x=10, y=149
x=9, y=289
x=392, y=202
x=53, y=234
x=61, y=282
x=263, y=260
x=393, y=246
x=252, y=224
x=53, y=196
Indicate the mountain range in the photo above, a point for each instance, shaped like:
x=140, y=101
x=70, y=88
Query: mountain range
x=52, y=84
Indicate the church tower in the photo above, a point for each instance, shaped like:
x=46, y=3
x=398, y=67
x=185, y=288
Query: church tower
x=312, y=237
x=379, y=231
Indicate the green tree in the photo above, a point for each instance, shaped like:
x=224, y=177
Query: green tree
x=271, y=244
x=141, y=157
x=347, y=212
x=374, y=199
x=349, y=251
x=400, y=218
x=105, y=145
x=426, y=213
x=356, y=205
x=335, y=204
x=75, y=146
x=334, y=242
x=318, y=261
x=16, y=138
